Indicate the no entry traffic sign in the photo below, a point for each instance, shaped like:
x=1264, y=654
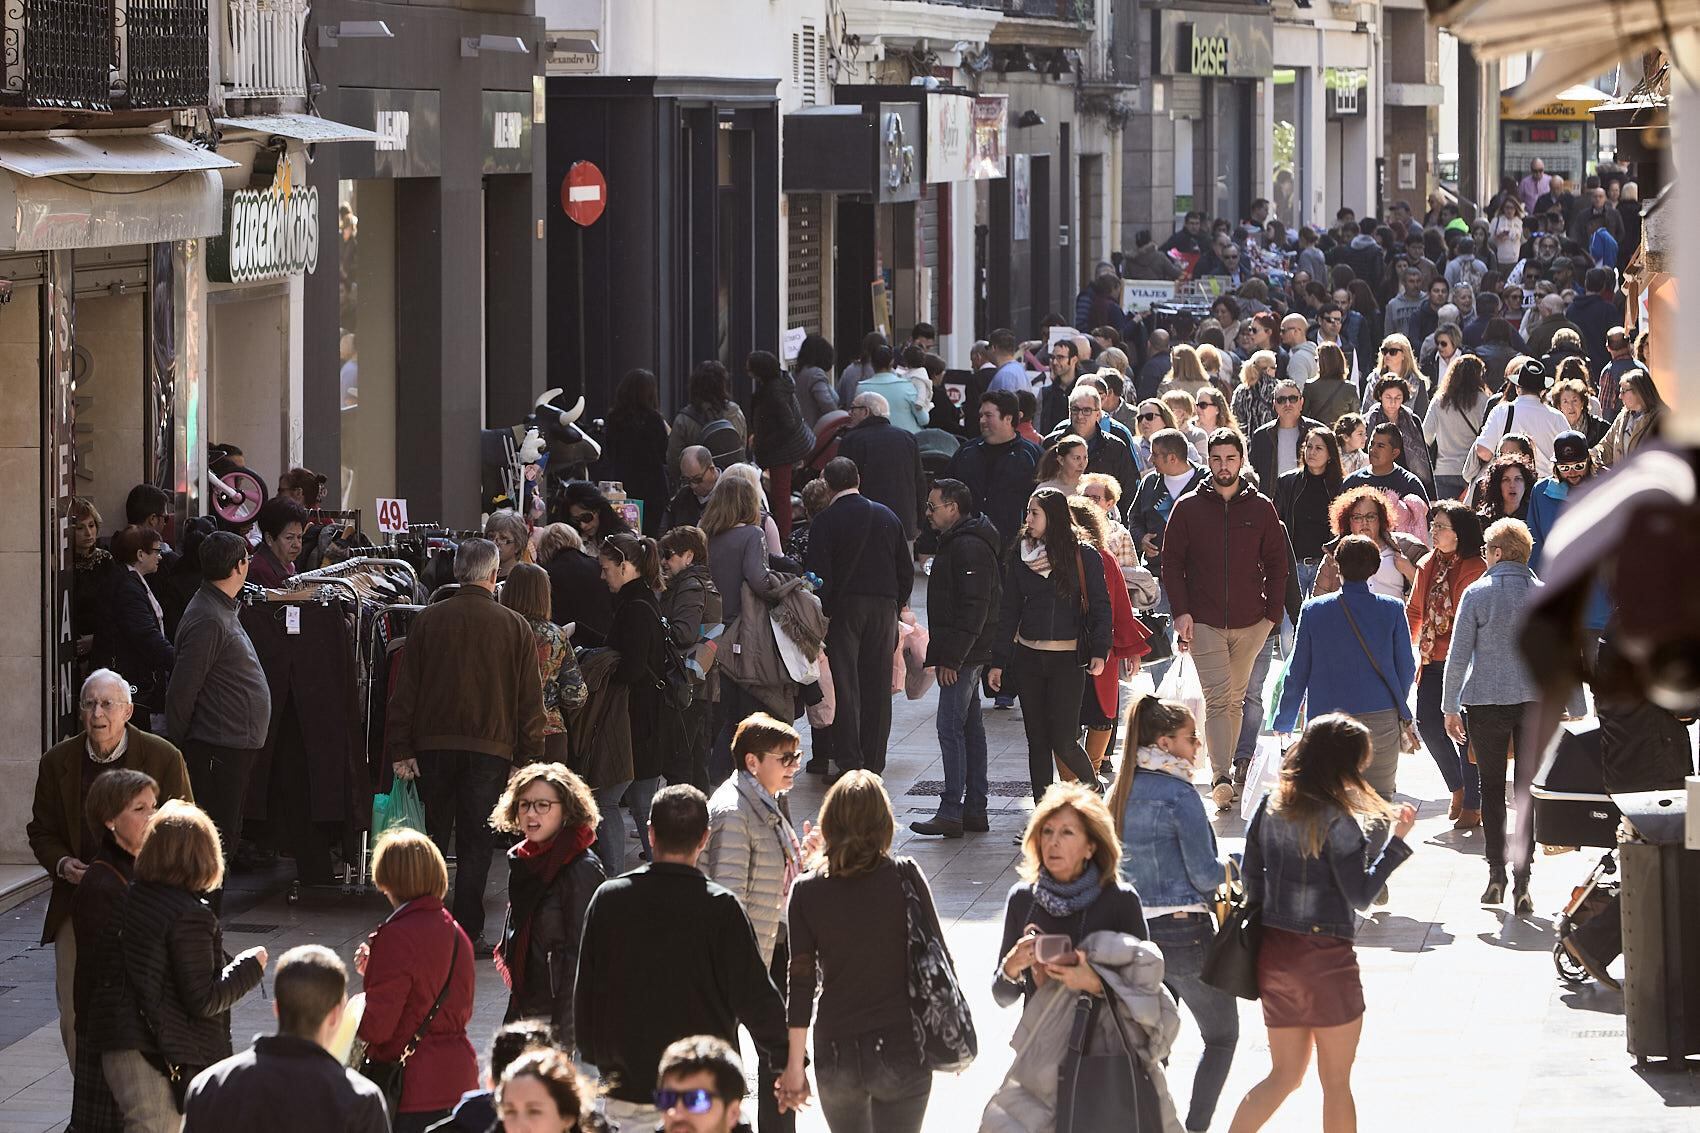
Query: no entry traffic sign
x=584, y=194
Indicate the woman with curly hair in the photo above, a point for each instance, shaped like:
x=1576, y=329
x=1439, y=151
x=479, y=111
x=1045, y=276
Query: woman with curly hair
x=1509, y=480
x=541, y=1091
x=1571, y=396
x=552, y=874
x=1366, y=510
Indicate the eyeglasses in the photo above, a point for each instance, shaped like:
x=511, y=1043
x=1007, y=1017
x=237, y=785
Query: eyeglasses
x=694, y=1101
x=1287, y=399
x=1098, y=496
x=1571, y=466
x=106, y=706
x=693, y=481
x=1150, y=417
x=1062, y=356
x=1364, y=516
x=540, y=806
x=788, y=758
x=1084, y=411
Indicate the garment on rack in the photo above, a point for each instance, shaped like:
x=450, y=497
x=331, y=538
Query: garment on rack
x=382, y=645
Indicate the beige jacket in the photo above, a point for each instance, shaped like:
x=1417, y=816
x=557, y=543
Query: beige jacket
x=752, y=851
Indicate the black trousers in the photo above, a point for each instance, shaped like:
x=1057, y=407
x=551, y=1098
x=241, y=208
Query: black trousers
x=768, y=1117
x=1492, y=728
x=860, y=641
x=459, y=790
x=219, y=777
x=1050, y=685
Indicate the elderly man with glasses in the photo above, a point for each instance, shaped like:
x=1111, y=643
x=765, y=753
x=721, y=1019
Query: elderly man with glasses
x=59, y=836
x=698, y=475
x=1106, y=452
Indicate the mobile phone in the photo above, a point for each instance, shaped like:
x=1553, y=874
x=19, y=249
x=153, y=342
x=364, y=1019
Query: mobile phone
x=1054, y=948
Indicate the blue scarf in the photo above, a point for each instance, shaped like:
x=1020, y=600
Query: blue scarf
x=1064, y=899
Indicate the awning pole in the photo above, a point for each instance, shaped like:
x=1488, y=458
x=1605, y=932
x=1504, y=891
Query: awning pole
x=1683, y=427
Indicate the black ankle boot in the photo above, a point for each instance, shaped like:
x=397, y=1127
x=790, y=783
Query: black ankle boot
x=1495, y=891
x=1524, y=904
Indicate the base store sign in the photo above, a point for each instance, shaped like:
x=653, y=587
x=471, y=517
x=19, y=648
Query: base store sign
x=268, y=233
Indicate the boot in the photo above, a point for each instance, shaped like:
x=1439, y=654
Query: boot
x=936, y=826
x=1495, y=891
x=1457, y=806
x=1525, y=904
x=1468, y=819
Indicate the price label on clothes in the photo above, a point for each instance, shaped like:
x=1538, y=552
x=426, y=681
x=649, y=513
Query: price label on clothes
x=392, y=517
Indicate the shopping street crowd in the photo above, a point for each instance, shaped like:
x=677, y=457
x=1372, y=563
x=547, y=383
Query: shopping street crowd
x=1325, y=503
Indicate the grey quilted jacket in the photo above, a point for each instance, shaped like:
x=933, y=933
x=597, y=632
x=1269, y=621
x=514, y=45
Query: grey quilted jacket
x=752, y=851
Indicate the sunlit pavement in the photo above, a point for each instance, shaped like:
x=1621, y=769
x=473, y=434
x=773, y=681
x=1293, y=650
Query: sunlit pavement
x=1468, y=1027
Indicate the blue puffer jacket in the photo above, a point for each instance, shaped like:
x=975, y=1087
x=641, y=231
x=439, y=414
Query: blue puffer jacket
x=1168, y=848
x=1317, y=895
x=1546, y=500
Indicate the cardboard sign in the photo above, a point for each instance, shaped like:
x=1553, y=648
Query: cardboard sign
x=1057, y=334
x=792, y=344
x=392, y=517
x=1143, y=294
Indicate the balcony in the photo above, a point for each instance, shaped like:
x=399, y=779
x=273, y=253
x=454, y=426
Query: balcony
x=162, y=53
x=261, y=50
x=56, y=54
x=1074, y=11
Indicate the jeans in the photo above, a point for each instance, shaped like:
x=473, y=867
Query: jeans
x=872, y=1082
x=1251, y=718
x=610, y=844
x=1050, y=685
x=1455, y=766
x=860, y=640
x=459, y=790
x=1185, y=942
x=1492, y=728
x=962, y=743
x=1448, y=487
x=1225, y=658
x=643, y=793
x=219, y=778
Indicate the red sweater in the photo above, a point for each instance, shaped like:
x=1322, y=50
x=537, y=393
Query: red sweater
x=1225, y=561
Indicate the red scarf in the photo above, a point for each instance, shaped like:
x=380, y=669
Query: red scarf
x=540, y=862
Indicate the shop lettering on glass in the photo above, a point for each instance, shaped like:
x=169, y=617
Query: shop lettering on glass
x=507, y=120
x=1209, y=55
x=268, y=233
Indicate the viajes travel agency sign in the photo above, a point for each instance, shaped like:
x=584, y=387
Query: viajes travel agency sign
x=268, y=233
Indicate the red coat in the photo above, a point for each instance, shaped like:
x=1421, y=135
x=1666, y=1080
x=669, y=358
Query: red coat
x=1128, y=636
x=409, y=962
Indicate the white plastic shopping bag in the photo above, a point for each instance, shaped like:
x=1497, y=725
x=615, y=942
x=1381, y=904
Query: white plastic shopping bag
x=797, y=664
x=1260, y=777
x=1181, y=683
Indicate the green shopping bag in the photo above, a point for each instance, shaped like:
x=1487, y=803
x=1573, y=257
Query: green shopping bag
x=401, y=807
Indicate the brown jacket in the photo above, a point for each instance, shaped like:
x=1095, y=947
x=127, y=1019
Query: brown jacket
x=468, y=682
x=56, y=828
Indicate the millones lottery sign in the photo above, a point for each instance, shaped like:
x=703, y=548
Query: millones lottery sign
x=269, y=233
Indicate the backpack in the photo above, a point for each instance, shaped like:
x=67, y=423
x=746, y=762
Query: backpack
x=721, y=438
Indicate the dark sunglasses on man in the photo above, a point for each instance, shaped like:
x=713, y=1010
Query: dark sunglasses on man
x=695, y=1101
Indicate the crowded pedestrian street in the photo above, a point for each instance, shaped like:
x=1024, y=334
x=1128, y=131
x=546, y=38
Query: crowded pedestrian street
x=1468, y=1025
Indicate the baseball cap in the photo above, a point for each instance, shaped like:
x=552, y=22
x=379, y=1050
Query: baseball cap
x=1569, y=447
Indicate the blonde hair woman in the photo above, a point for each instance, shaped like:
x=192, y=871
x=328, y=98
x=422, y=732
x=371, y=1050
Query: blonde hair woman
x=847, y=926
x=1185, y=409
x=1186, y=371
x=1254, y=400
x=1398, y=360
x=770, y=528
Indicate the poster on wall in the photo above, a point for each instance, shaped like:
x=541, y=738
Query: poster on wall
x=881, y=300
x=991, y=136
x=1020, y=197
x=950, y=137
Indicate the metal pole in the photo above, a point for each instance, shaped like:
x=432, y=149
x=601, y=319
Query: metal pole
x=583, y=377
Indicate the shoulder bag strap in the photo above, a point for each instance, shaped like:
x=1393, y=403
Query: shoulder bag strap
x=1080, y=584
x=1510, y=416
x=1399, y=705
x=419, y=1033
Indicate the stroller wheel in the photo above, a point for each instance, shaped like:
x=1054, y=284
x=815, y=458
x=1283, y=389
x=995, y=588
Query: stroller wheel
x=1568, y=970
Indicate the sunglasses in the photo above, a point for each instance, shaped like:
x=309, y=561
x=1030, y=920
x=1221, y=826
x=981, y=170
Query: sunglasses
x=1287, y=399
x=1334, y=321
x=1386, y=350
x=694, y=1101
x=1571, y=466
x=786, y=759
x=1150, y=416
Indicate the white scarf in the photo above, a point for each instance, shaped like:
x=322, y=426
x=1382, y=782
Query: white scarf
x=1034, y=555
x=1153, y=758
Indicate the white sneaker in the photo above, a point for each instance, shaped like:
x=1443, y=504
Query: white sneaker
x=1222, y=792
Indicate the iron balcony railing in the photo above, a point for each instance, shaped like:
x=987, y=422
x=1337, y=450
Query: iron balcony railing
x=1075, y=11
x=261, y=51
x=162, y=54
x=56, y=54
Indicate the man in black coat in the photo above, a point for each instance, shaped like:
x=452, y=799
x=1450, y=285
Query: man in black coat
x=641, y=984
x=1172, y=476
x=856, y=546
x=1274, y=447
x=998, y=466
x=888, y=458
x=290, y=1080
x=697, y=475
x=962, y=606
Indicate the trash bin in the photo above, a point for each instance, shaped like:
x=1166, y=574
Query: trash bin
x=1661, y=928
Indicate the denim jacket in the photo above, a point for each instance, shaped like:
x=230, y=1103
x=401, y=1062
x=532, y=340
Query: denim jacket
x=1315, y=895
x=1168, y=848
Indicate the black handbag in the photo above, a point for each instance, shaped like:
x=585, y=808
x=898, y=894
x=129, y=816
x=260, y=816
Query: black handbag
x=1161, y=643
x=1231, y=963
x=1101, y=1090
x=388, y=1076
x=939, y=1019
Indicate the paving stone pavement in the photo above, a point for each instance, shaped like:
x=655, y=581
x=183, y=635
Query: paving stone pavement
x=1467, y=1026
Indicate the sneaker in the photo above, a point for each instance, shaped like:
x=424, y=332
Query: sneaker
x=1003, y=703
x=975, y=823
x=1222, y=792
x=939, y=827
x=1240, y=766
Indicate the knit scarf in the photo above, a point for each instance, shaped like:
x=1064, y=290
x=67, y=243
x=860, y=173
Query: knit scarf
x=1437, y=606
x=538, y=865
x=1153, y=758
x=1064, y=899
x=1034, y=555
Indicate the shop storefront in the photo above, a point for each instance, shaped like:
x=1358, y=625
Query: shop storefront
x=424, y=319
x=1561, y=133
x=1323, y=114
x=1214, y=61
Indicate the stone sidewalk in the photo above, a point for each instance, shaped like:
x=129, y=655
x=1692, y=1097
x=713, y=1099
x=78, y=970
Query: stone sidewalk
x=1468, y=1028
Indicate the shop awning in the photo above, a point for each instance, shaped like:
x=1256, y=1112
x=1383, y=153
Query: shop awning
x=298, y=127
x=120, y=154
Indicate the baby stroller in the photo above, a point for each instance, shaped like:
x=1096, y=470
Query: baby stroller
x=1572, y=810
